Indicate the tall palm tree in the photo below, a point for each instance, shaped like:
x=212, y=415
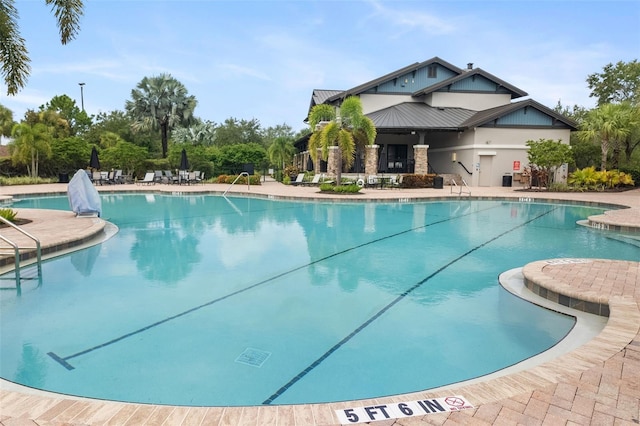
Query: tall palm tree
x=29, y=141
x=346, y=129
x=161, y=103
x=608, y=124
x=281, y=151
x=14, y=56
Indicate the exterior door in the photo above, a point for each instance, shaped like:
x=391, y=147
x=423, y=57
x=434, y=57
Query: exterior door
x=486, y=166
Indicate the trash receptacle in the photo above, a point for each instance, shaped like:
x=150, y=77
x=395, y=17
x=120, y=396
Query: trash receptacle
x=63, y=177
x=438, y=182
x=507, y=180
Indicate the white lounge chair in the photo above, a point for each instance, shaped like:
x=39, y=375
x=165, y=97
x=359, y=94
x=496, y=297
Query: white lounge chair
x=299, y=179
x=149, y=179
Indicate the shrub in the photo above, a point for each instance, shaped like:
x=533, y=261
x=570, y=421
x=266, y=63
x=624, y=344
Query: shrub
x=341, y=189
x=8, y=214
x=25, y=180
x=591, y=179
x=418, y=181
x=253, y=179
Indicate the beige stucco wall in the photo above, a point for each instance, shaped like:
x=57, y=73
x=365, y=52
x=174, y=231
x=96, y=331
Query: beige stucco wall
x=472, y=101
x=378, y=101
x=502, y=146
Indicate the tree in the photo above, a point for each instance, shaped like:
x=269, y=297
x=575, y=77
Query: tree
x=198, y=134
x=609, y=124
x=161, y=103
x=281, y=151
x=77, y=119
x=234, y=131
x=29, y=141
x=67, y=155
x=617, y=83
x=14, y=57
x=124, y=155
x=6, y=121
x=547, y=155
x=346, y=131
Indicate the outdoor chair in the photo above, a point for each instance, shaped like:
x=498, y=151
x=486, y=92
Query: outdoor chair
x=299, y=179
x=96, y=177
x=170, y=177
x=149, y=179
x=314, y=181
x=157, y=176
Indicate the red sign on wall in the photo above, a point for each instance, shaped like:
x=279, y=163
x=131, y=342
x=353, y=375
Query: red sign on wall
x=516, y=165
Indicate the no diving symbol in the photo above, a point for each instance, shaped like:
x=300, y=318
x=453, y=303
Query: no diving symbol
x=453, y=401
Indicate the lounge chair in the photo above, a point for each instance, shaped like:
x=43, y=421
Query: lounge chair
x=170, y=177
x=314, y=181
x=157, y=176
x=299, y=179
x=149, y=179
x=97, y=178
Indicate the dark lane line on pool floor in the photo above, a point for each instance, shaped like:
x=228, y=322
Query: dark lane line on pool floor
x=384, y=309
x=64, y=360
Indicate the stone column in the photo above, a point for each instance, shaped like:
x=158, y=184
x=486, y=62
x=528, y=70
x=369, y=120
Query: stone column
x=371, y=160
x=333, y=162
x=421, y=159
x=316, y=165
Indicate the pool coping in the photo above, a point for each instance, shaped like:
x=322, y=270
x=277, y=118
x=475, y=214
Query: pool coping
x=504, y=392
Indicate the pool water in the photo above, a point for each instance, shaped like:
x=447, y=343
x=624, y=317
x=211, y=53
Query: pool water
x=204, y=300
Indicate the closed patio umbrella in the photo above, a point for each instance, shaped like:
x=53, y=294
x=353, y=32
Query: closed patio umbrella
x=94, y=163
x=184, y=164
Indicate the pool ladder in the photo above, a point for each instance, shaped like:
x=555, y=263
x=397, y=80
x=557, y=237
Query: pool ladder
x=460, y=188
x=16, y=250
x=236, y=179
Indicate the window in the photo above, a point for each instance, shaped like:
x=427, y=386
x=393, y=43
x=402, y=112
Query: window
x=432, y=71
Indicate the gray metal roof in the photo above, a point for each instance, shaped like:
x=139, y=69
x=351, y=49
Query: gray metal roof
x=483, y=117
x=319, y=96
x=415, y=116
x=515, y=92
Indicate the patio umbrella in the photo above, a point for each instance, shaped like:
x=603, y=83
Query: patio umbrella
x=94, y=163
x=184, y=164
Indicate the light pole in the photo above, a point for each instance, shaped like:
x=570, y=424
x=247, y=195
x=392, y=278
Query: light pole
x=81, y=95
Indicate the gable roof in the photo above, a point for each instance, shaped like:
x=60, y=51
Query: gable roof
x=486, y=116
x=513, y=90
x=395, y=74
x=411, y=116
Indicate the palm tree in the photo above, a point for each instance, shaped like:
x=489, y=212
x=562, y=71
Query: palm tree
x=14, y=57
x=347, y=130
x=161, y=103
x=29, y=141
x=281, y=151
x=609, y=124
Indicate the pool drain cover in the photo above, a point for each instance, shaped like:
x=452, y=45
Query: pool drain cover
x=253, y=357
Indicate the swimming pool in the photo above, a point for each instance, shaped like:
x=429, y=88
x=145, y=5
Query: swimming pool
x=202, y=300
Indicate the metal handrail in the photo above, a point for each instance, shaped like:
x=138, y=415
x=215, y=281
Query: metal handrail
x=460, y=190
x=17, y=249
x=236, y=179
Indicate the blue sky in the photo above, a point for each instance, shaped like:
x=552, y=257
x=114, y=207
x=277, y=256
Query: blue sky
x=262, y=59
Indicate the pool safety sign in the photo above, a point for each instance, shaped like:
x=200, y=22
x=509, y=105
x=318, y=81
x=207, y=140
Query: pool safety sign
x=398, y=410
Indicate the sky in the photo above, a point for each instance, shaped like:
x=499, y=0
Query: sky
x=262, y=59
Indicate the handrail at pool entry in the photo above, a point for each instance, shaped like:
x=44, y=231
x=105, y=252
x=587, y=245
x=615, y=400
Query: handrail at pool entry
x=236, y=179
x=460, y=189
x=17, y=250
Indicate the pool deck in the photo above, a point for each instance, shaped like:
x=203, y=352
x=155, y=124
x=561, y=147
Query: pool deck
x=598, y=383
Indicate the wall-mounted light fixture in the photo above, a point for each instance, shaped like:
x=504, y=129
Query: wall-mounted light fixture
x=454, y=157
